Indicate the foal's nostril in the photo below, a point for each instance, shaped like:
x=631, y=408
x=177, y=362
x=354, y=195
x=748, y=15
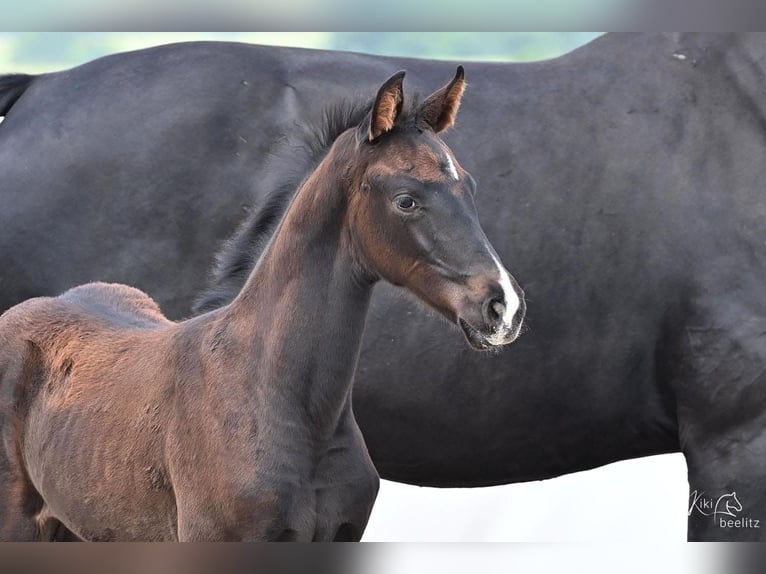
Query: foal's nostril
x=494, y=309
x=499, y=308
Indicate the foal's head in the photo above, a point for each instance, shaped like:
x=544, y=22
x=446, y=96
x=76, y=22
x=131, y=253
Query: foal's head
x=412, y=218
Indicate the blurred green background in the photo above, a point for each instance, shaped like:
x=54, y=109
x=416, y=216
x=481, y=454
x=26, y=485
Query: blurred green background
x=36, y=52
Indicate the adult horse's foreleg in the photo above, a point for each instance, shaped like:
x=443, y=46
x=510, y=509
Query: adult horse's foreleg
x=726, y=496
x=721, y=396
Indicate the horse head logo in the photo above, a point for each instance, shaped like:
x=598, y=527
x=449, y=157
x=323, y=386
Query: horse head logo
x=728, y=504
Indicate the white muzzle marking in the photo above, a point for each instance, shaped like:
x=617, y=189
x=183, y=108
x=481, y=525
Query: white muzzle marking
x=512, y=302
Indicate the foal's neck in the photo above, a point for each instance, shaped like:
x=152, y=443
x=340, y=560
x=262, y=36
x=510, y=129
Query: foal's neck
x=304, y=307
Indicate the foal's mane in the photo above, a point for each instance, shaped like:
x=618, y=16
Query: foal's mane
x=289, y=165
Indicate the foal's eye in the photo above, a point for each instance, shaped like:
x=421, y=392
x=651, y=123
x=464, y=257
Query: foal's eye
x=405, y=203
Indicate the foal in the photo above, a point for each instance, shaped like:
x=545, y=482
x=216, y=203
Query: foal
x=236, y=425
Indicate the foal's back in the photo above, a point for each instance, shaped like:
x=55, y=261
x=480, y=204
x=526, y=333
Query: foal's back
x=116, y=305
x=98, y=322
x=68, y=371
x=94, y=307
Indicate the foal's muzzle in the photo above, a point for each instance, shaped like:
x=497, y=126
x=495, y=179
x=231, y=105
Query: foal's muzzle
x=499, y=317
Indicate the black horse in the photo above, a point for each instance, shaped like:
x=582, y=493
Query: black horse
x=622, y=182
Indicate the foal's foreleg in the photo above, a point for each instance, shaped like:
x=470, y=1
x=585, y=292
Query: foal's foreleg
x=275, y=514
x=346, y=485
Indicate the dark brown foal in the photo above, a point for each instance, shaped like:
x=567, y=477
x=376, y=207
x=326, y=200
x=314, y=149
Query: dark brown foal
x=237, y=425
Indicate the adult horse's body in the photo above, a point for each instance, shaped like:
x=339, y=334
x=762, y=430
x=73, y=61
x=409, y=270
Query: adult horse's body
x=237, y=424
x=623, y=180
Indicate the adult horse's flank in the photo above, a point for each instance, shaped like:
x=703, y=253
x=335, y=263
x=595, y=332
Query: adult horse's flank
x=237, y=424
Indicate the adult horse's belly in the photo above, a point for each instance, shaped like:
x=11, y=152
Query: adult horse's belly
x=435, y=412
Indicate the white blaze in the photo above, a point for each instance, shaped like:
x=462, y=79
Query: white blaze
x=512, y=301
x=451, y=168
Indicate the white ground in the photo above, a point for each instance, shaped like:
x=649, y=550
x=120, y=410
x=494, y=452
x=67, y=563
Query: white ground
x=642, y=500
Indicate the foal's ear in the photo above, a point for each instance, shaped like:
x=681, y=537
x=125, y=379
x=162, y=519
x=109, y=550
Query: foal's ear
x=387, y=107
x=440, y=108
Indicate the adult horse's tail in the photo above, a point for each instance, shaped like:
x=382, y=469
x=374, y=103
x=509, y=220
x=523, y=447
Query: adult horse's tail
x=11, y=88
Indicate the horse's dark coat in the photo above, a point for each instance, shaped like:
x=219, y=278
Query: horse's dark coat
x=11, y=87
x=623, y=183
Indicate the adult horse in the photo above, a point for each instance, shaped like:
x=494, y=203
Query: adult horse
x=237, y=424
x=622, y=180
